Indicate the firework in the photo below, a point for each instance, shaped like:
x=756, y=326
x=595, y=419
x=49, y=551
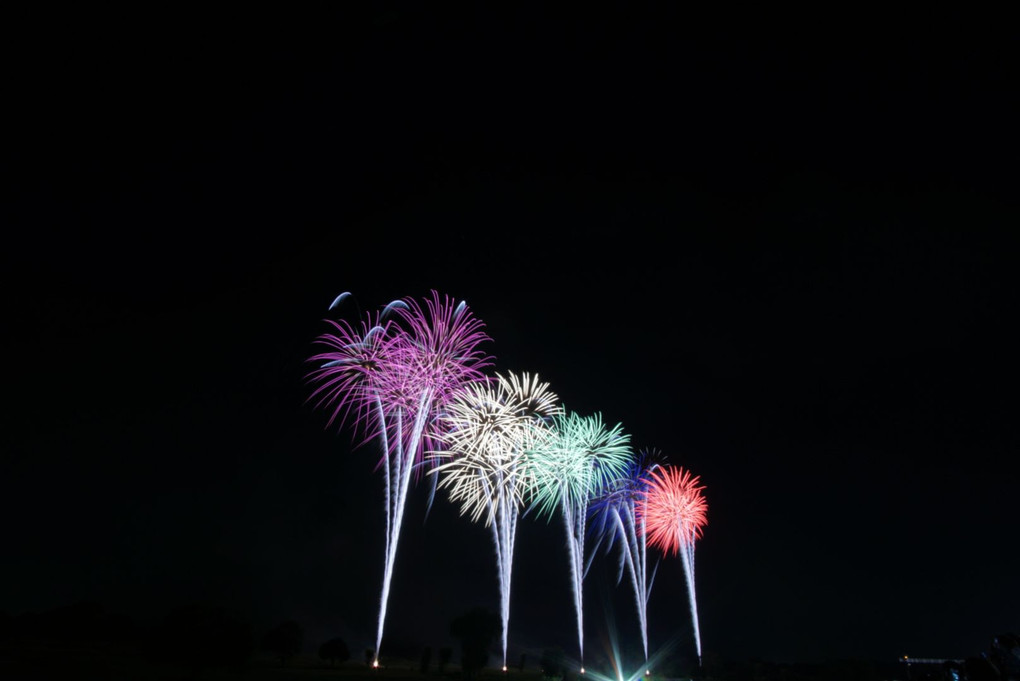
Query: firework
x=390, y=377
x=566, y=470
x=613, y=517
x=488, y=426
x=674, y=512
x=349, y=379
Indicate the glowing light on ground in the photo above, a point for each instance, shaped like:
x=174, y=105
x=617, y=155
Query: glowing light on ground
x=487, y=428
x=581, y=455
x=613, y=516
x=388, y=377
x=674, y=512
x=612, y=650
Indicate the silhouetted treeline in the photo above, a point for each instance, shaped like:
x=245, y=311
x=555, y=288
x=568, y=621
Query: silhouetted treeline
x=476, y=630
x=83, y=638
x=197, y=637
x=335, y=650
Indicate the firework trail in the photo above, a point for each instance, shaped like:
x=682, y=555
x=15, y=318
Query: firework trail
x=488, y=426
x=578, y=459
x=674, y=511
x=388, y=377
x=613, y=517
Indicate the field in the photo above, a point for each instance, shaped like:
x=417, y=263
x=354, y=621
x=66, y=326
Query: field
x=111, y=664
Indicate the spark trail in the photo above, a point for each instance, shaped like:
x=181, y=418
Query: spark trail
x=581, y=455
x=389, y=377
x=674, y=512
x=488, y=428
x=613, y=516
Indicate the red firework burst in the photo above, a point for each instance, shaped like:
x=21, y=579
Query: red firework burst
x=673, y=508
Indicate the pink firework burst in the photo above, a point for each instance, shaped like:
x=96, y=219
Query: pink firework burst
x=673, y=508
x=391, y=377
x=396, y=369
x=437, y=354
x=352, y=372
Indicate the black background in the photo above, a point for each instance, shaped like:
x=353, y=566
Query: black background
x=780, y=249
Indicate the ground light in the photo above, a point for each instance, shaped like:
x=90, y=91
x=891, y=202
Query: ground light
x=642, y=673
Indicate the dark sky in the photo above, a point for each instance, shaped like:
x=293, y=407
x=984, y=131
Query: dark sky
x=785, y=257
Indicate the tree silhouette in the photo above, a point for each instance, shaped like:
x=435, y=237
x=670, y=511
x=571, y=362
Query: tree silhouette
x=476, y=628
x=284, y=640
x=445, y=653
x=335, y=650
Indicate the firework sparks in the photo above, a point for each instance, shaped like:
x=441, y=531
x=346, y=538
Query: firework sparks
x=488, y=427
x=613, y=516
x=578, y=459
x=674, y=512
x=390, y=376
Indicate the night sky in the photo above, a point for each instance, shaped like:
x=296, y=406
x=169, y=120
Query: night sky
x=786, y=258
